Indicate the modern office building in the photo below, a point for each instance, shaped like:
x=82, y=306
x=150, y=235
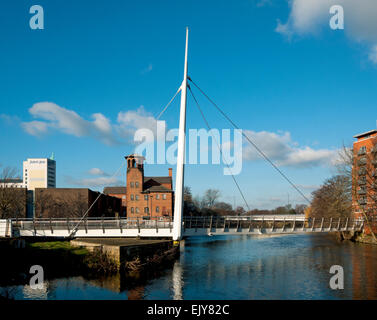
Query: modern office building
x=39, y=173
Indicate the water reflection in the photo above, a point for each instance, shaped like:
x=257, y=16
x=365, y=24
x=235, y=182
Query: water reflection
x=288, y=267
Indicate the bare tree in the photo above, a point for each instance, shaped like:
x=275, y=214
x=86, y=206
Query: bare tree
x=345, y=161
x=70, y=205
x=12, y=199
x=300, y=208
x=210, y=197
x=240, y=211
x=333, y=198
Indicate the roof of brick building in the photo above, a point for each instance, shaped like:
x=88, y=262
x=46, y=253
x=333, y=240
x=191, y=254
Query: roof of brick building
x=365, y=134
x=157, y=189
x=115, y=190
x=158, y=179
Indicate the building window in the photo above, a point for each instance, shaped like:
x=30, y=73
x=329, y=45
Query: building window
x=137, y=197
x=146, y=197
x=157, y=209
x=136, y=184
x=137, y=210
x=123, y=197
x=146, y=210
x=164, y=196
x=132, y=210
x=132, y=184
x=132, y=197
x=362, y=151
x=157, y=197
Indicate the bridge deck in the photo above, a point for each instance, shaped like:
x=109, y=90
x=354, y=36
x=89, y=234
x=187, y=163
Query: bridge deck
x=192, y=226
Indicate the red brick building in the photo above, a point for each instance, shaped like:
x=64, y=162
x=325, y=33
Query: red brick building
x=364, y=176
x=145, y=197
x=121, y=193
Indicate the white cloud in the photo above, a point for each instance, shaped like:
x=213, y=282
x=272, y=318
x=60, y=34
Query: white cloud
x=130, y=121
x=102, y=179
x=284, y=152
x=53, y=117
x=307, y=186
x=310, y=16
x=95, y=182
x=67, y=121
x=9, y=119
x=35, y=128
x=373, y=54
x=97, y=172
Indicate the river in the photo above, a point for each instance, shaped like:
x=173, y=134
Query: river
x=231, y=267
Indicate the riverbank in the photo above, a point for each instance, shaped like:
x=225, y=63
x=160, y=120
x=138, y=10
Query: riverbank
x=63, y=259
x=128, y=254
x=356, y=236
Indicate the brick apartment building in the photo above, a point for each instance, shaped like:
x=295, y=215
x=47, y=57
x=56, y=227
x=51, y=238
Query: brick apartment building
x=364, y=176
x=144, y=197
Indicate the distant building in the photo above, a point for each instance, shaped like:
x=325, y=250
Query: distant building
x=146, y=197
x=120, y=193
x=73, y=203
x=39, y=173
x=364, y=177
x=11, y=183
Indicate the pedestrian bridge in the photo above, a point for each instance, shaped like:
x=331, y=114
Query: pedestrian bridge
x=192, y=226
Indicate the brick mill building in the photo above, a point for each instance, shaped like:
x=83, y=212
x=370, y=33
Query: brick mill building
x=144, y=197
x=364, y=176
x=121, y=193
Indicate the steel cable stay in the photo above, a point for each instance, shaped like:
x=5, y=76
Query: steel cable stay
x=171, y=100
x=251, y=142
x=220, y=149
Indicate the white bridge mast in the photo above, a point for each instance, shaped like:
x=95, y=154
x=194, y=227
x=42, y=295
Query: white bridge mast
x=179, y=180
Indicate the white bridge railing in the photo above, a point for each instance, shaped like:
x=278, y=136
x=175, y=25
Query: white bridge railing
x=267, y=225
x=192, y=226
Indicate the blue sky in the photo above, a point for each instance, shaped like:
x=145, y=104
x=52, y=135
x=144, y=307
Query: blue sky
x=104, y=66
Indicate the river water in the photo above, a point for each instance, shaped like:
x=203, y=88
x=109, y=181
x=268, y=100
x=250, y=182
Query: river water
x=237, y=267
